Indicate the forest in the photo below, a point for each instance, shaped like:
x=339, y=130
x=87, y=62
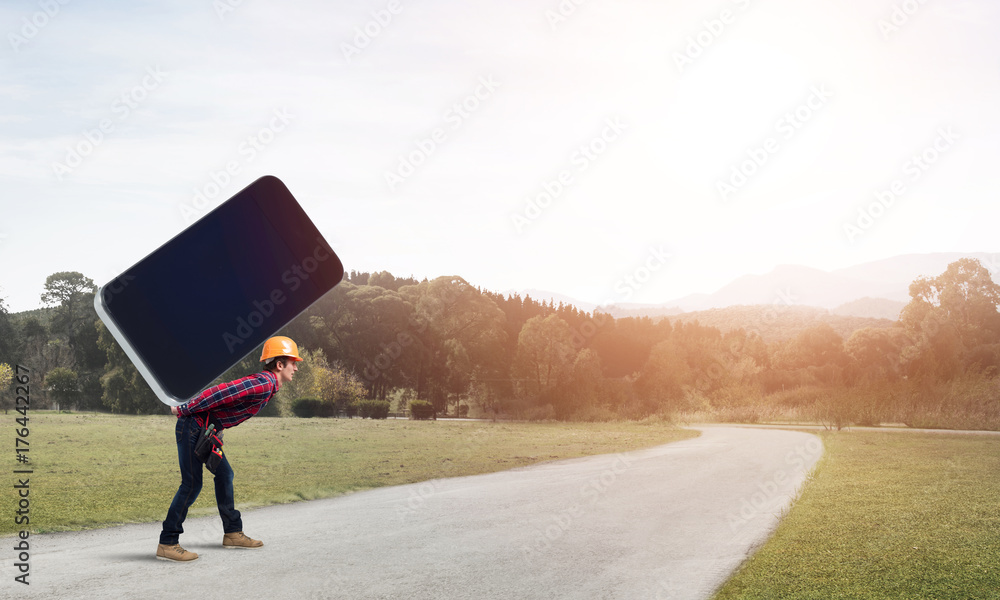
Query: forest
x=453, y=349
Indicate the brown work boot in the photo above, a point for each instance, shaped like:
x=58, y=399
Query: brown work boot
x=240, y=540
x=174, y=552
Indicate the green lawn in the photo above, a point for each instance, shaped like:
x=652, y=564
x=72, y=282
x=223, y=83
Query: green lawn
x=93, y=470
x=887, y=515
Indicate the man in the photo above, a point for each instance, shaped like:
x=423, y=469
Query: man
x=226, y=405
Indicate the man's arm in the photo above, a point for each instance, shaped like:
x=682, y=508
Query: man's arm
x=227, y=393
x=212, y=398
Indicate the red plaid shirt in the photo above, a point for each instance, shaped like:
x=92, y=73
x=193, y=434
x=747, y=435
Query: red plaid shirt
x=232, y=403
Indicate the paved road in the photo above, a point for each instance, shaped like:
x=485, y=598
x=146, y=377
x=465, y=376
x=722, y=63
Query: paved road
x=667, y=522
x=882, y=429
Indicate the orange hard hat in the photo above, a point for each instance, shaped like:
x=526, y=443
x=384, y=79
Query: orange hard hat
x=280, y=345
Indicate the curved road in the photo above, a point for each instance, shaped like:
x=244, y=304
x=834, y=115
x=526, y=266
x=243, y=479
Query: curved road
x=667, y=522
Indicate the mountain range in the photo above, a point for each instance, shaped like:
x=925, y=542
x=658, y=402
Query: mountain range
x=877, y=290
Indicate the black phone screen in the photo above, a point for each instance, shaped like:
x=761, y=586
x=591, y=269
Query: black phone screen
x=198, y=304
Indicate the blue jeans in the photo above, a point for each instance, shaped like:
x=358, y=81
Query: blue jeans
x=187, y=431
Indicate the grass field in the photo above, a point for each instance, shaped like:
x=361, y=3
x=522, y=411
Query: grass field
x=92, y=470
x=887, y=515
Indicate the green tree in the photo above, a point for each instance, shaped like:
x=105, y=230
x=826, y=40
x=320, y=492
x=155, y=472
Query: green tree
x=42, y=353
x=459, y=332
x=664, y=377
x=73, y=295
x=338, y=386
x=545, y=356
x=876, y=352
x=6, y=376
x=8, y=336
x=333, y=385
x=815, y=346
x=584, y=387
x=383, y=279
x=124, y=389
x=64, y=385
x=72, y=330
x=949, y=317
x=87, y=354
x=458, y=368
x=369, y=330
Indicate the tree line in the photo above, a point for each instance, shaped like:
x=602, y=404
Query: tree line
x=465, y=350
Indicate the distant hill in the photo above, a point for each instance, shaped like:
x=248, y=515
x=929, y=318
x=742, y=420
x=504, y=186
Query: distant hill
x=887, y=279
x=775, y=323
x=874, y=308
x=620, y=311
x=873, y=292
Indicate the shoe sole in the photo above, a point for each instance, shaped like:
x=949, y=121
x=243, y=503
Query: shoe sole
x=175, y=559
x=233, y=547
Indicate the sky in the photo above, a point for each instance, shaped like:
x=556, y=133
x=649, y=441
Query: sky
x=611, y=151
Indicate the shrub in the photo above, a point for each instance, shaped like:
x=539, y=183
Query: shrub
x=591, y=413
x=463, y=410
x=838, y=408
x=751, y=413
x=327, y=409
x=372, y=409
x=540, y=413
x=967, y=402
x=798, y=397
x=660, y=418
x=307, y=407
x=421, y=409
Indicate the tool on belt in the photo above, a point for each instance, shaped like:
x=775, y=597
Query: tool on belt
x=208, y=448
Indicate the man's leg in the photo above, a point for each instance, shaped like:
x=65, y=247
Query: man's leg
x=224, y=497
x=232, y=523
x=186, y=433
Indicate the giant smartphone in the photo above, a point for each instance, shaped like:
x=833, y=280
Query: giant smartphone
x=202, y=301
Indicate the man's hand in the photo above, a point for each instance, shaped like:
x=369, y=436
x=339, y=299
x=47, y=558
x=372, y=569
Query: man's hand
x=173, y=410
